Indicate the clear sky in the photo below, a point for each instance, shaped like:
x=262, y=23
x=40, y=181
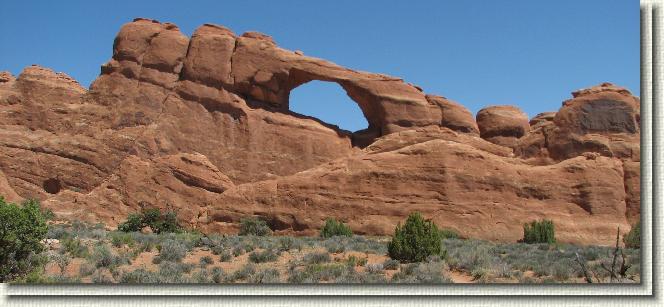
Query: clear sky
x=522, y=52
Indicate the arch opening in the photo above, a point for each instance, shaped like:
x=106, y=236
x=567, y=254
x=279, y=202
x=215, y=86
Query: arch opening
x=328, y=102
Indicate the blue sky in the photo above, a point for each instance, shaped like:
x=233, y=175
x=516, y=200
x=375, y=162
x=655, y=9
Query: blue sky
x=522, y=52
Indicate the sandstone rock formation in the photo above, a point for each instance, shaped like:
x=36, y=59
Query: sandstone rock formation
x=202, y=125
x=502, y=125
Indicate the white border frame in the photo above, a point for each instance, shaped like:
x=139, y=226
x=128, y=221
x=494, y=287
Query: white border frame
x=651, y=164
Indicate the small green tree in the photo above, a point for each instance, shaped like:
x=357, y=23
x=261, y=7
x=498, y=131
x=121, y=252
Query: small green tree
x=416, y=240
x=539, y=232
x=22, y=229
x=153, y=218
x=254, y=227
x=134, y=222
x=333, y=228
x=633, y=237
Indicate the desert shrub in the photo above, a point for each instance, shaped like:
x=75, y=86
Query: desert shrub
x=426, y=272
x=353, y=261
x=468, y=255
x=316, y=257
x=334, y=247
x=267, y=276
x=217, y=275
x=254, y=227
x=173, y=272
x=153, y=217
x=502, y=270
x=139, y=276
x=101, y=278
x=57, y=232
x=119, y=239
x=75, y=247
x=314, y=273
x=171, y=250
x=364, y=245
x=539, y=232
x=248, y=246
x=143, y=247
x=217, y=249
x=103, y=257
x=480, y=273
x=590, y=253
x=561, y=271
x=433, y=258
x=225, y=256
x=634, y=269
x=202, y=276
x=333, y=228
x=415, y=240
x=633, y=237
x=376, y=268
x=22, y=229
x=449, y=234
x=37, y=274
x=189, y=239
x=267, y=255
x=86, y=269
x=61, y=279
x=98, y=234
x=237, y=251
x=205, y=261
x=364, y=278
x=391, y=264
x=289, y=243
x=243, y=273
x=62, y=261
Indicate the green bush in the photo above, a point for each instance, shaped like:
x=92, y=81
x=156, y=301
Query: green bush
x=335, y=228
x=539, y=232
x=254, y=227
x=22, y=229
x=133, y=223
x=416, y=240
x=633, y=238
x=166, y=223
x=153, y=218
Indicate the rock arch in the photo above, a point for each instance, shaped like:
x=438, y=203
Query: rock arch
x=252, y=66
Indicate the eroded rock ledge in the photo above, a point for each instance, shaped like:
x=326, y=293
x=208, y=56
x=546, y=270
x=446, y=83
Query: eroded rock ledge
x=202, y=125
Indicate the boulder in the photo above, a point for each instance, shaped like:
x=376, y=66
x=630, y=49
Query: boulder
x=502, y=125
x=454, y=115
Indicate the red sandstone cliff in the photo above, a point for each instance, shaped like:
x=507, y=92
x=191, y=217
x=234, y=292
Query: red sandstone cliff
x=202, y=125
